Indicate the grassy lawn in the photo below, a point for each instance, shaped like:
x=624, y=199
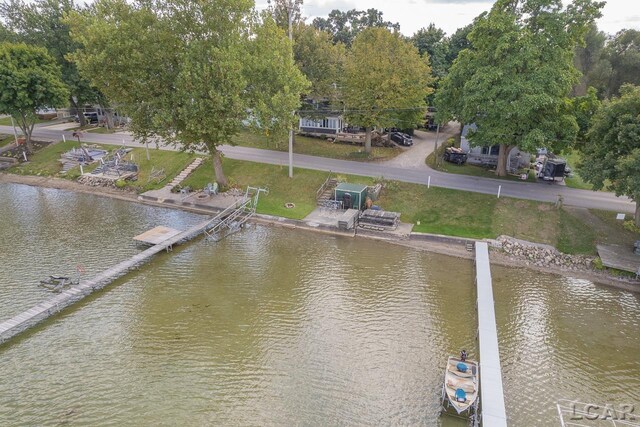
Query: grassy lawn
x=616, y=231
x=172, y=162
x=299, y=190
x=6, y=139
x=573, y=157
x=99, y=129
x=6, y=121
x=315, y=147
x=459, y=213
x=466, y=169
x=46, y=163
x=440, y=210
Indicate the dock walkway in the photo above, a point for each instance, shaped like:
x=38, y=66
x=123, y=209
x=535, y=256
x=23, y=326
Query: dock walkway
x=42, y=311
x=491, y=392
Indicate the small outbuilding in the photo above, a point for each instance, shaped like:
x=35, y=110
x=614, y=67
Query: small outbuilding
x=352, y=196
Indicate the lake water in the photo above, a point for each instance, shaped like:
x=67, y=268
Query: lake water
x=280, y=327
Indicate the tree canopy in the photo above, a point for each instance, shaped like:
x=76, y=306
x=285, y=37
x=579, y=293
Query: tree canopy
x=320, y=60
x=611, y=156
x=623, y=53
x=345, y=26
x=281, y=9
x=41, y=23
x=514, y=80
x=30, y=80
x=385, y=82
x=190, y=72
x=433, y=42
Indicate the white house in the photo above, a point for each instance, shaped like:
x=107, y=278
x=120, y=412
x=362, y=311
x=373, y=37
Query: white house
x=329, y=125
x=488, y=155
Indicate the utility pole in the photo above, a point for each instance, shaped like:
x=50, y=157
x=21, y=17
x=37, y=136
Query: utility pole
x=436, y=149
x=293, y=113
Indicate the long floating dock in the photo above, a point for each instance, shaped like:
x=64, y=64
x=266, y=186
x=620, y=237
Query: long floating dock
x=42, y=311
x=491, y=392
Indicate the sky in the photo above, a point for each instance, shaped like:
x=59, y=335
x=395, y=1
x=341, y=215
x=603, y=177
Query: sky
x=453, y=14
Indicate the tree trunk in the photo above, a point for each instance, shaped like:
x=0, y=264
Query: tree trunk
x=367, y=140
x=108, y=114
x=26, y=129
x=76, y=110
x=503, y=155
x=217, y=167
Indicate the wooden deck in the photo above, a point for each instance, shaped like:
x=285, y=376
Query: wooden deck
x=619, y=257
x=156, y=235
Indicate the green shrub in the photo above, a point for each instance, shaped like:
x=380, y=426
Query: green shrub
x=629, y=225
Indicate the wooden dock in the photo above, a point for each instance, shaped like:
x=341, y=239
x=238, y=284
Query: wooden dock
x=491, y=392
x=156, y=235
x=44, y=310
x=619, y=257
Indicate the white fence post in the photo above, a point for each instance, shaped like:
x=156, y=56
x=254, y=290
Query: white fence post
x=429, y=182
x=499, y=189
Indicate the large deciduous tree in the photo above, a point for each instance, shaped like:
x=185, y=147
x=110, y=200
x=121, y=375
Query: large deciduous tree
x=41, y=23
x=514, y=80
x=320, y=60
x=30, y=80
x=590, y=62
x=190, y=72
x=385, y=82
x=282, y=10
x=432, y=41
x=611, y=156
x=622, y=52
x=345, y=26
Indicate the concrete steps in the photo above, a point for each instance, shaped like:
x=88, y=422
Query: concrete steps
x=327, y=194
x=185, y=172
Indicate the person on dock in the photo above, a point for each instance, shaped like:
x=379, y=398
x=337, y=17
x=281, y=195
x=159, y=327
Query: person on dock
x=463, y=355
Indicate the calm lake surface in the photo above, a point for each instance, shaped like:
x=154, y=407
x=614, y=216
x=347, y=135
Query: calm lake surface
x=280, y=327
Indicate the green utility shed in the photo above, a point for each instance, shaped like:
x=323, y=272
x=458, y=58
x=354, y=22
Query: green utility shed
x=352, y=196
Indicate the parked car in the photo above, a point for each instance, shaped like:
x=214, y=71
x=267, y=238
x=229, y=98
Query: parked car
x=401, y=138
x=91, y=118
x=455, y=155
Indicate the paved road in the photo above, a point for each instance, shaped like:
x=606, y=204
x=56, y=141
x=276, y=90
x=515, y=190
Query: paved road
x=524, y=190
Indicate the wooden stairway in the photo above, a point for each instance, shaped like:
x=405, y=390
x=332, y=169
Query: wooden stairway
x=185, y=173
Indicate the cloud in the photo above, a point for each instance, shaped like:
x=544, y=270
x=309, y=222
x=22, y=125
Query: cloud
x=322, y=8
x=450, y=2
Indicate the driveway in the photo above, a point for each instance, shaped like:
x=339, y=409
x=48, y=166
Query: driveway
x=423, y=144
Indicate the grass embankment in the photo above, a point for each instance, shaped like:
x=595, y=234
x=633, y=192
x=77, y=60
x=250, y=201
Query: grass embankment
x=473, y=215
x=466, y=169
x=434, y=210
x=315, y=147
x=46, y=162
x=299, y=190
